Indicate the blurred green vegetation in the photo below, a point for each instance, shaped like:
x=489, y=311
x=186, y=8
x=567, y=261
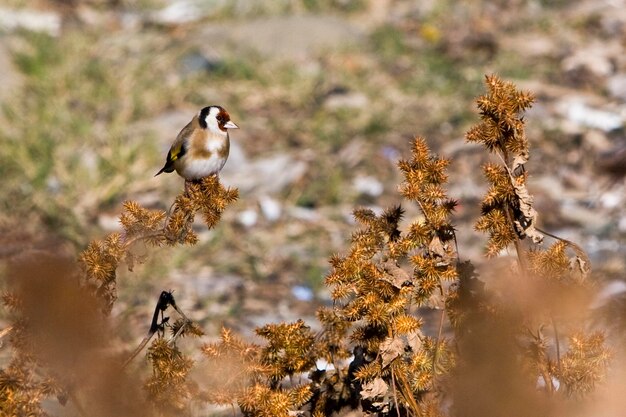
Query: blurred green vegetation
x=69, y=150
x=245, y=8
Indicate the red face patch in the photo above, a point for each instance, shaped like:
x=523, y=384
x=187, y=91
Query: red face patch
x=222, y=118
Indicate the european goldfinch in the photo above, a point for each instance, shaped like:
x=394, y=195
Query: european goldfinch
x=202, y=147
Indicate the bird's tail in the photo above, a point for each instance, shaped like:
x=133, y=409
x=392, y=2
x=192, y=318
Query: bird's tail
x=167, y=168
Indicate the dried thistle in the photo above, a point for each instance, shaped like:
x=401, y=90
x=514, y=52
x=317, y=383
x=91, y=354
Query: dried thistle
x=50, y=312
x=209, y=198
x=168, y=388
x=382, y=362
x=251, y=375
x=102, y=258
x=288, y=351
x=236, y=366
x=373, y=293
x=507, y=208
x=394, y=363
x=585, y=363
x=262, y=401
x=554, y=278
x=55, y=305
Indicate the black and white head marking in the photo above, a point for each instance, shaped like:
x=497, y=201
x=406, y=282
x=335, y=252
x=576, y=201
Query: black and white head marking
x=215, y=118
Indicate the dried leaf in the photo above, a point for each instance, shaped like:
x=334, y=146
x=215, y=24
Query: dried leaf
x=390, y=349
x=436, y=247
x=519, y=161
x=395, y=275
x=130, y=261
x=414, y=340
x=580, y=262
x=526, y=225
x=534, y=234
x=436, y=301
x=375, y=388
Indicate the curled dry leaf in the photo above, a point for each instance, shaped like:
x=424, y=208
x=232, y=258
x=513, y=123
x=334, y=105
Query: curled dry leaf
x=436, y=301
x=579, y=263
x=519, y=161
x=374, y=388
x=414, y=340
x=390, y=349
x=441, y=250
x=436, y=247
x=526, y=225
x=395, y=275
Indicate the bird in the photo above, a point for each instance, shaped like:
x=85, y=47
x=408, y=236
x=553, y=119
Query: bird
x=201, y=148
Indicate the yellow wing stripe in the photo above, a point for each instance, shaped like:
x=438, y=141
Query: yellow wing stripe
x=175, y=152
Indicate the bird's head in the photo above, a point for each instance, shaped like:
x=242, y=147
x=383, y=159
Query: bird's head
x=216, y=119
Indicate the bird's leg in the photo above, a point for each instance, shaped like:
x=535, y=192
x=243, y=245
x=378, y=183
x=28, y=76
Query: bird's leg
x=187, y=185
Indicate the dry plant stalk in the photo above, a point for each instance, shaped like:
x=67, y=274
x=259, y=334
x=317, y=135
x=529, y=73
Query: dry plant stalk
x=531, y=330
x=507, y=211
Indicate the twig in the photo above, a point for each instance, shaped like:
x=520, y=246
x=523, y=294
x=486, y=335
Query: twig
x=139, y=348
x=168, y=215
x=440, y=331
x=579, y=251
x=180, y=331
x=128, y=243
x=436, y=353
x=545, y=366
x=395, y=394
x=5, y=331
x=405, y=389
x=521, y=259
x=558, y=344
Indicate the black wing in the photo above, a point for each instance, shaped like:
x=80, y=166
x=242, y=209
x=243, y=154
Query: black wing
x=176, y=151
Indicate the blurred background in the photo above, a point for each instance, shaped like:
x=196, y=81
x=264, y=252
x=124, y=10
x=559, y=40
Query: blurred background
x=328, y=95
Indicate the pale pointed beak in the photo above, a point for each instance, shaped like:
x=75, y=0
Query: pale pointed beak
x=230, y=125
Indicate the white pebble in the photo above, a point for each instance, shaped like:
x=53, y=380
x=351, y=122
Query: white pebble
x=369, y=186
x=270, y=208
x=248, y=218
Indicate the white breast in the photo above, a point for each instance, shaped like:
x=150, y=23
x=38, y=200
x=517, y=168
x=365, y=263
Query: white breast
x=203, y=167
x=214, y=143
x=200, y=168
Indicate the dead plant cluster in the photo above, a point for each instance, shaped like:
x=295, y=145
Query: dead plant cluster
x=523, y=346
